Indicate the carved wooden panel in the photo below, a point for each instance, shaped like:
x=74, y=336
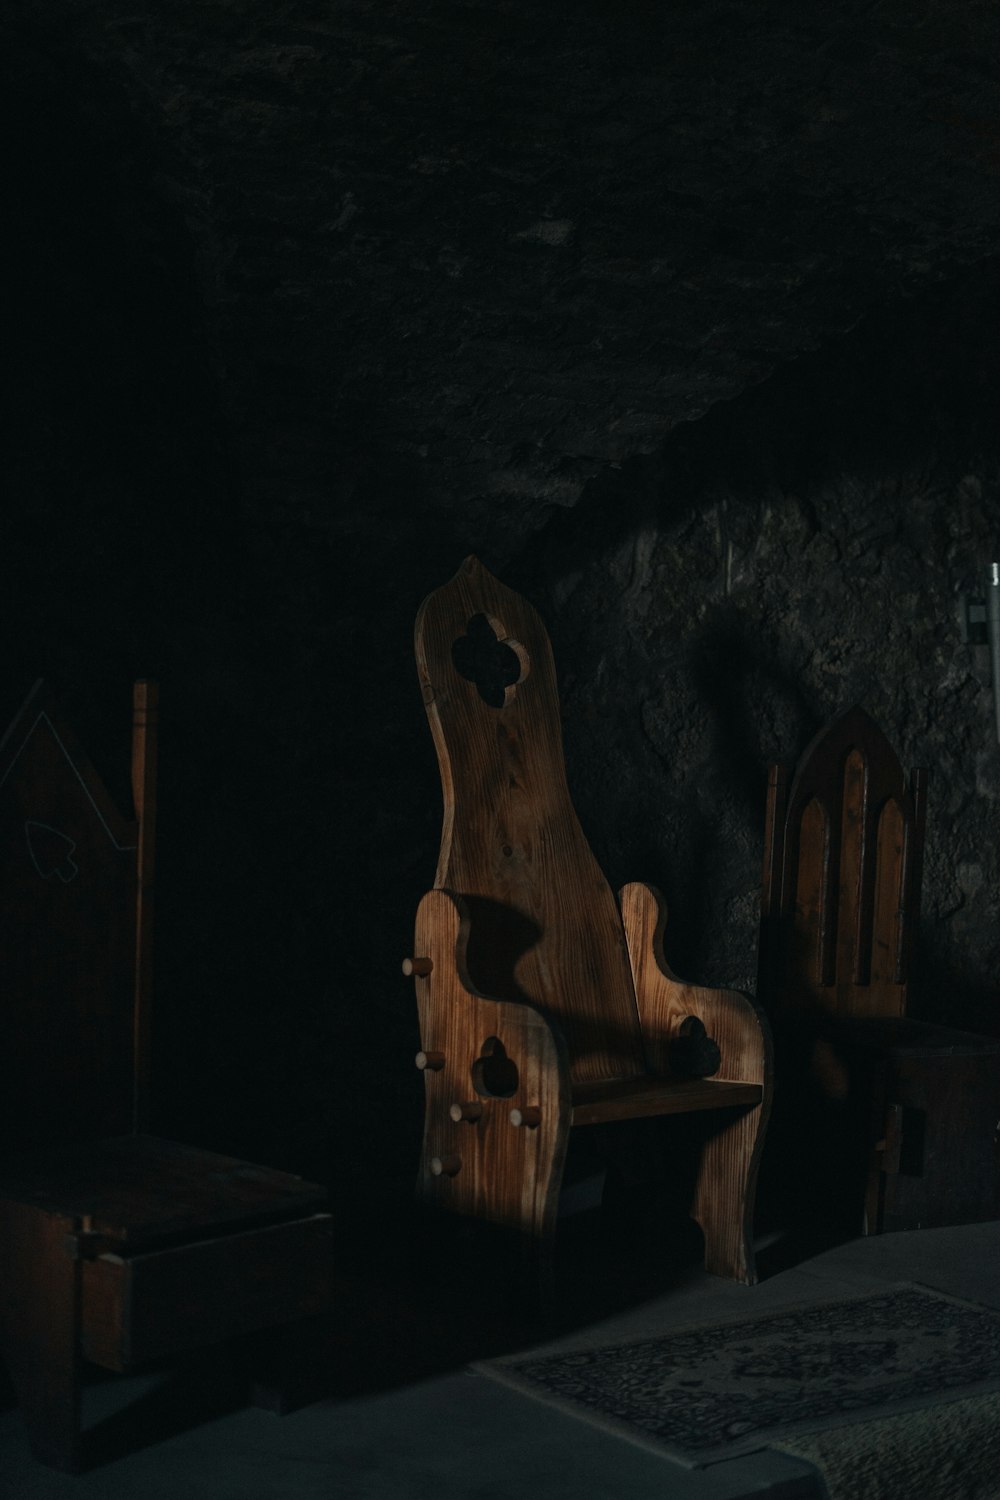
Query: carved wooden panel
x=842, y=875
x=730, y=1158
x=487, y=1060
x=545, y=926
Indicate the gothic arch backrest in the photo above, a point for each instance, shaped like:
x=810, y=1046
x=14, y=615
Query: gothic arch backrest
x=842, y=875
x=545, y=927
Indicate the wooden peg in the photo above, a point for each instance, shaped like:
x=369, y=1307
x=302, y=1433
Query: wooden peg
x=471, y=1111
x=418, y=968
x=88, y=1245
x=433, y=1062
x=446, y=1166
x=530, y=1116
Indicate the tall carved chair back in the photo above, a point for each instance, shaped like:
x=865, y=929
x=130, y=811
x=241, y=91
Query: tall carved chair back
x=544, y=1003
x=100, y=1223
x=547, y=928
x=843, y=864
x=890, y=1121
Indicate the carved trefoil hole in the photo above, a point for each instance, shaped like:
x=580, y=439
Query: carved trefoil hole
x=494, y=1074
x=486, y=656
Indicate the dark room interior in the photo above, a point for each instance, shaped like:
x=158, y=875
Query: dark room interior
x=682, y=319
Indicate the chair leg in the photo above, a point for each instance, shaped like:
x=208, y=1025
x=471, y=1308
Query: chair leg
x=724, y=1196
x=39, y=1328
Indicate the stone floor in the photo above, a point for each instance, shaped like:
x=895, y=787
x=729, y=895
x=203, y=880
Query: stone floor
x=400, y=1416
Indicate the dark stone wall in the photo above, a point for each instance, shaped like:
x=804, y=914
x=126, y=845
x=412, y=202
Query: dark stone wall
x=680, y=316
x=796, y=551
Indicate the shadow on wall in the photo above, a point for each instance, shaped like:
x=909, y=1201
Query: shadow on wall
x=733, y=677
x=796, y=550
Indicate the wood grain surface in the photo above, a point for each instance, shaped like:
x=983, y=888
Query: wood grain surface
x=507, y=1175
x=840, y=913
x=547, y=930
x=842, y=870
x=730, y=1160
x=536, y=1014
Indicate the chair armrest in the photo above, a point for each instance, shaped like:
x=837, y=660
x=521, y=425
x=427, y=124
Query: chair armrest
x=457, y=1019
x=498, y=1091
x=738, y=1026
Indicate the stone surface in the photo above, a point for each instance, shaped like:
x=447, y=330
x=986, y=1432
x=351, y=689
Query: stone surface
x=800, y=550
x=505, y=247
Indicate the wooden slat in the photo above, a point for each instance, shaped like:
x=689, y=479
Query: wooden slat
x=637, y=1098
x=844, y=881
x=848, y=938
x=145, y=704
x=774, y=824
x=771, y=915
x=888, y=909
x=913, y=869
x=804, y=959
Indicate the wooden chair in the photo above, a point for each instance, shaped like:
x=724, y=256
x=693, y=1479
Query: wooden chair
x=115, y=1247
x=544, y=1006
x=900, y=1113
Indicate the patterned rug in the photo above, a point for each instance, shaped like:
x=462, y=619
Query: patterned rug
x=704, y=1394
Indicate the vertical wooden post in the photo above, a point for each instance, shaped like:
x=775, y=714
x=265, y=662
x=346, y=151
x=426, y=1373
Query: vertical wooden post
x=913, y=870
x=774, y=837
x=771, y=893
x=145, y=705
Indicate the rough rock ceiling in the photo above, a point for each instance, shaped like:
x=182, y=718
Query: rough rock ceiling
x=513, y=243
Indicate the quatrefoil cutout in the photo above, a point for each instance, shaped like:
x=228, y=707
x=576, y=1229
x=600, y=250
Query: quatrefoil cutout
x=496, y=664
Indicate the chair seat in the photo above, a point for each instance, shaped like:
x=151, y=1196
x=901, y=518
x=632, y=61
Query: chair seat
x=638, y=1098
x=140, y=1191
x=919, y=1038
